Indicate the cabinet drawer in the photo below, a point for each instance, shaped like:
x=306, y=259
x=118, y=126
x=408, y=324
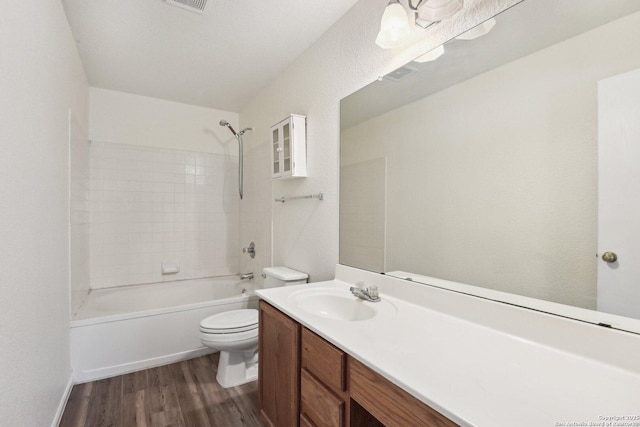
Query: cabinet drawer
x=387, y=402
x=318, y=404
x=323, y=360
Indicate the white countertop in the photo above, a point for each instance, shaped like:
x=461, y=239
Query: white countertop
x=478, y=374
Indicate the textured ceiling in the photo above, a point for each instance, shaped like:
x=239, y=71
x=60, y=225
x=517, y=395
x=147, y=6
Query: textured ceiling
x=219, y=59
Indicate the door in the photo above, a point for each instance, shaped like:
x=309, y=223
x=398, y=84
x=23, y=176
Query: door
x=287, y=164
x=618, y=194
x=275, y=152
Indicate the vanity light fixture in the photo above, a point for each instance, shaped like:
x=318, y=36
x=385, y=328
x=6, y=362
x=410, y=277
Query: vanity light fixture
x=439, y=10
x=398, y=21
x=394, y=27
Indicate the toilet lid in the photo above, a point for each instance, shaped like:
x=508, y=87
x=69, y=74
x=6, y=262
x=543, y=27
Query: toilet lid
x=231, y=321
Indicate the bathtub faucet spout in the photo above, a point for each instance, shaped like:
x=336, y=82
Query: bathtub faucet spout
x=246, y=276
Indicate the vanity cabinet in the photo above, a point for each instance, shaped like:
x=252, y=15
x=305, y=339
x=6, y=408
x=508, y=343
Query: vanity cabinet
x=289, y=148
x=325, y=387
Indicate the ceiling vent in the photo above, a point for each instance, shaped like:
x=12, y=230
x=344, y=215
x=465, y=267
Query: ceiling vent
x=196, y=6
x=400, y=73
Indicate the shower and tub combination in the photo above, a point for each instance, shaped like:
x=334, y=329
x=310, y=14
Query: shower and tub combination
x=128, y=327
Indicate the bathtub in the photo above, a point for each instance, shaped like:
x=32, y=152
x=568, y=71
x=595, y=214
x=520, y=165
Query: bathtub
x=125, y=329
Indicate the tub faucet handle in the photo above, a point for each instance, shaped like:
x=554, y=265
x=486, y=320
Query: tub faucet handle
x=251, y=250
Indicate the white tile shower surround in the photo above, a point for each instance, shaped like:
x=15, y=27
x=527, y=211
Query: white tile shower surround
x=151, y=205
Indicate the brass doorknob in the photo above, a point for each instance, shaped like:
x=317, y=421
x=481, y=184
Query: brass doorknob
x=609, y=257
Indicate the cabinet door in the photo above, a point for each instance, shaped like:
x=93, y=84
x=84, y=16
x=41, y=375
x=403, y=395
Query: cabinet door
x=287, y=149
x=276, y=151
x=279, y=368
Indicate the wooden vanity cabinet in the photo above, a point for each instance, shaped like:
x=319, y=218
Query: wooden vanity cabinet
x=306, y=381
x=278, y=368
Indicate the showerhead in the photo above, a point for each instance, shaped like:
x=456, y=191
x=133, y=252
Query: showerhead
x=226, y=123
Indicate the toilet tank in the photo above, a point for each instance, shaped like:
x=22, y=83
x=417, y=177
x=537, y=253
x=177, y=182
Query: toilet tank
x=283, y=276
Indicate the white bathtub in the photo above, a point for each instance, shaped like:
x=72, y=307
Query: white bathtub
x=126, y=329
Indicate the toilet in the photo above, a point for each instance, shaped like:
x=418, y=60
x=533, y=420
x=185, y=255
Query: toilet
x=235, y=333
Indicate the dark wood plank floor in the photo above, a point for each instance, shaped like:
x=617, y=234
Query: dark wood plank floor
x=182, y=394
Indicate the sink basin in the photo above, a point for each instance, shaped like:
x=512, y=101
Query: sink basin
x=336, y=304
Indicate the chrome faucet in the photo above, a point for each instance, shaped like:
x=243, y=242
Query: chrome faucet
x=369, y=293
x=246, y=276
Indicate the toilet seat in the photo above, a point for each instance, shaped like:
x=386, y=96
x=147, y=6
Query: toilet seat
x=231, y=322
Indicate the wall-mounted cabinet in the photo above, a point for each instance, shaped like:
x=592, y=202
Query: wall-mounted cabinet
x=289, y=148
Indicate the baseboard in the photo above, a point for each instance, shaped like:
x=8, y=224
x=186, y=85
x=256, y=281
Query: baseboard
x=112, y=371
x=63, y=403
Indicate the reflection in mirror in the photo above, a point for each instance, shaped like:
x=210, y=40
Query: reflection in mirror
x=482, y=167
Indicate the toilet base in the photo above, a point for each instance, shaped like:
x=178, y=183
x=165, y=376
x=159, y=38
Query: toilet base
x=237, y=368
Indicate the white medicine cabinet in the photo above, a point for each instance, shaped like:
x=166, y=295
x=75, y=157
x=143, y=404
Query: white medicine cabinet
x=289, y=147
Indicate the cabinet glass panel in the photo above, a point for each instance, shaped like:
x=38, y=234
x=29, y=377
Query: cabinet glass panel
x=276, y=153
x=286, y=145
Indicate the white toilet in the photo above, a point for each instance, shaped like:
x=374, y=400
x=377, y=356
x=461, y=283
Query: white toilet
x=235, y=333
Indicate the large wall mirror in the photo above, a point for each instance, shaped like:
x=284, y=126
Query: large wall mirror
x=509, y=166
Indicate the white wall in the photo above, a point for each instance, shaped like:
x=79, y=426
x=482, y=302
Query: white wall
x=511, y=211
x=124, y=118
x=79, y=211
x=41, y=77
x=305, y=232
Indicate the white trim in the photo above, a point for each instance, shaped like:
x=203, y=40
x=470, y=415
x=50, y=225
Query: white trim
x=126, y=368
x=63, y=403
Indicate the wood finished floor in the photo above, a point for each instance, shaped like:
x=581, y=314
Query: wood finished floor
x=182, y=394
